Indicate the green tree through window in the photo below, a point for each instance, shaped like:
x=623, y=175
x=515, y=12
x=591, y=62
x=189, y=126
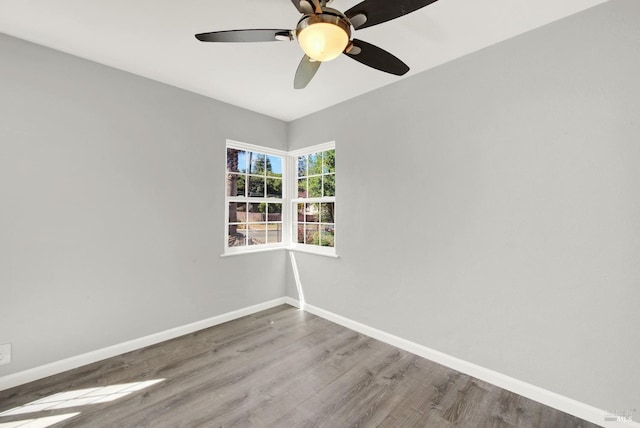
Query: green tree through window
x=316, y=198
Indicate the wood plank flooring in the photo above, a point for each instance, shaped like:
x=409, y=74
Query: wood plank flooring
x=278, y=368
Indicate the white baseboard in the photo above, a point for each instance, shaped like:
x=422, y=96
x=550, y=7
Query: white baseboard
x=46, y=370
x=292, y=302
x=548, y=398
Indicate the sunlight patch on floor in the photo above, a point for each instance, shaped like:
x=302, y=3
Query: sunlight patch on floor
x=43, y=422
x=68, y=399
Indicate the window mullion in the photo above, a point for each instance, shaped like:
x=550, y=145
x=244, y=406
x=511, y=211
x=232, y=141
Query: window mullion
x=292, y=188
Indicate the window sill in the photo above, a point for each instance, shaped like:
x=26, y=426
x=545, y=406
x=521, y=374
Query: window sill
x=252, y=251
x=331, y=255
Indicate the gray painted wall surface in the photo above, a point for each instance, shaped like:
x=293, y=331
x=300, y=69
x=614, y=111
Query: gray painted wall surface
x=489, y=208
x=110, y=207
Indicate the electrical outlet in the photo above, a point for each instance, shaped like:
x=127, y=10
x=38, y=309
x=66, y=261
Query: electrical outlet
x=5, y=354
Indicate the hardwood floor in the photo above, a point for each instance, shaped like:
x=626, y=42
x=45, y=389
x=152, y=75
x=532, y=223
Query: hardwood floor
x=277, y=368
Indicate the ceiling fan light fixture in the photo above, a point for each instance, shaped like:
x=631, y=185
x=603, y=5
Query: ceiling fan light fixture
x=323, y=37
x=324, y=33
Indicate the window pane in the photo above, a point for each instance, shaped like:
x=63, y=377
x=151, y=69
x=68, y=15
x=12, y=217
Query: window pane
x=302, y=166
x=237, y=236
x=315, y=187
x=301, y=234
x=257, y=234
x=257, y=163
x=256, y=186
x=302, y=188
x=274, y=232
x=274, y=187
x=329, y=185
x=243, y=160
x=300, y=213
x=329, y=162
x=312, y=213
x=315, y=163
x=237, y=212
x=327, y=235
x=236, y=160
x=274, y=166
x=242, y=185
x=233, y=212
x=311, y=234
x=235, y=184
x=327, y=212
x=274, y=212
x=257, y=212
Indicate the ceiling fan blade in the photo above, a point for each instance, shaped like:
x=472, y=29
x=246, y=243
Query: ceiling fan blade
x=298, y=6
x=377, y=58
x=267, y=35
x=374, y=12
x=305, y=72
x=307, y=7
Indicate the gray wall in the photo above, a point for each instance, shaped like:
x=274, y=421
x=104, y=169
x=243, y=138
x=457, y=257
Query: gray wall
x=490, y=208
x=111, y=221
x=487, y=208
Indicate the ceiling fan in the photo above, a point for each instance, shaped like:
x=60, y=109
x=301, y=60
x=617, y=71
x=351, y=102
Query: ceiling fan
x=324, y=33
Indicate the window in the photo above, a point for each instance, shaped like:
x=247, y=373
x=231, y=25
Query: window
x=254, y=190
x=314, y=204
x=276, y=199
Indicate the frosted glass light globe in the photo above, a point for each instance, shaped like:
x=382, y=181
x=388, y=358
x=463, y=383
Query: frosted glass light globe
x=323, y=41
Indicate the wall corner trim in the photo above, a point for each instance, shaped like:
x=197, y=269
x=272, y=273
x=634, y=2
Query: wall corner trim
x=40, y=372
x=548, y=398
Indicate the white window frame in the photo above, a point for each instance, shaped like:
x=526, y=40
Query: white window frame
x=289, y=201
x=294, y=200
x=284, y=201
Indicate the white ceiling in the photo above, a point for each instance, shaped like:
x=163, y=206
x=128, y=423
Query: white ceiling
x=154, y=38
